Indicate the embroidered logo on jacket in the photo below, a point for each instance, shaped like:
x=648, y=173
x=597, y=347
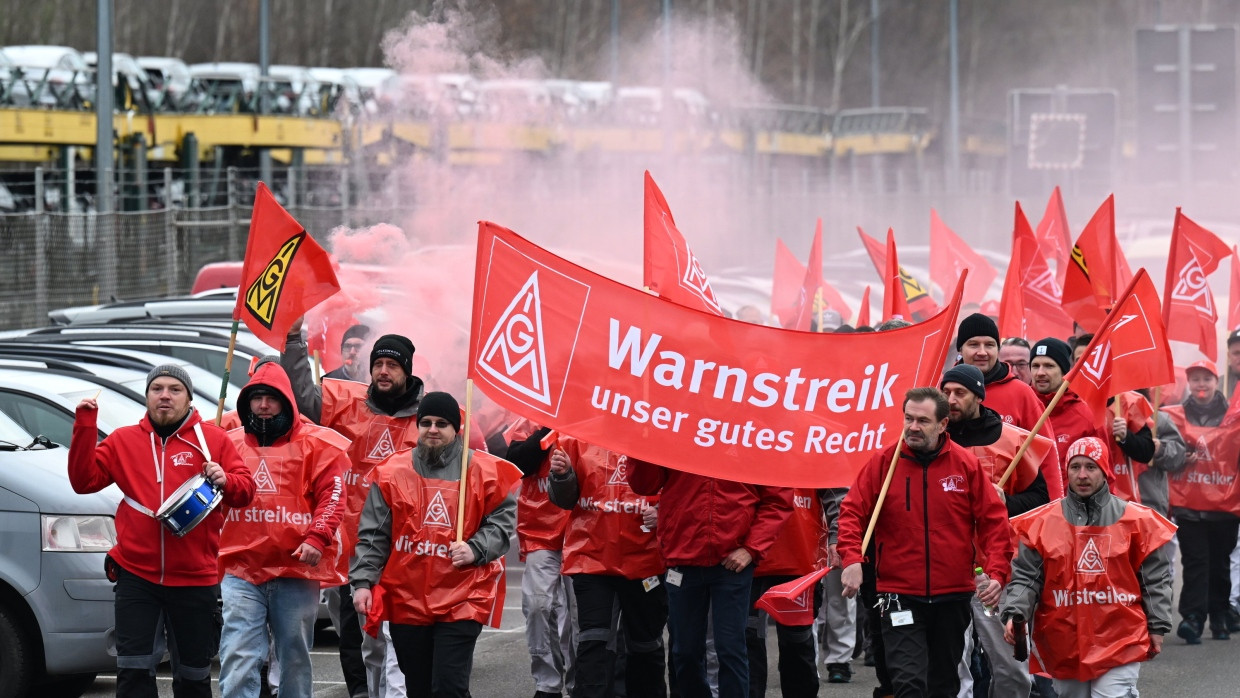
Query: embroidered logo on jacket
x=953, y=483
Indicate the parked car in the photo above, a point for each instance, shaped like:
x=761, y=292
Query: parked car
x=43, y=403
x=57, y=623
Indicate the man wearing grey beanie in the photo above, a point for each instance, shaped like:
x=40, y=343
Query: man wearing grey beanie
x=165, y=583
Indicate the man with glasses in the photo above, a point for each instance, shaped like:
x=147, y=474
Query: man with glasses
x=351, y=347
x=436, y=590
x=1015, y=352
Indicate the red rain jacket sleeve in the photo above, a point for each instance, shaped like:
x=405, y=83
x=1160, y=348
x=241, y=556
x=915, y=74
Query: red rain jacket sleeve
x=239, y=486
x=90, y=462
x=994, y=533
x=774, y=508
x=857, y=507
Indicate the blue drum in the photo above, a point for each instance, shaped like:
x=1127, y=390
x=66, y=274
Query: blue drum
x=189, y=505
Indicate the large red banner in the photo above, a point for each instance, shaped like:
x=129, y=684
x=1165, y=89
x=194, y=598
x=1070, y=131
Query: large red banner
x=638, y=374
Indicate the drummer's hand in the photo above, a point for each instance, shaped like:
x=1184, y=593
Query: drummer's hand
x=88, y=403
x=361, y=602
x=462, y=555
x=308, y=554
x=215, y=473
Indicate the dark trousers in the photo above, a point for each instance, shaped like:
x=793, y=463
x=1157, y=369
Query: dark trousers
x=350, y=634
x=867, y=597
x=191, y=618
x=798, y=669
x=1205, y=550
x=436, y=659
x=922, y=657
x=725, y=595
x=643, y=614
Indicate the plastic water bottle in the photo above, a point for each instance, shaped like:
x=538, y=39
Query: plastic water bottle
x=982, y=581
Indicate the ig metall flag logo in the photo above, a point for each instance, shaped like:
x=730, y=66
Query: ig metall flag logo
x=262, y=298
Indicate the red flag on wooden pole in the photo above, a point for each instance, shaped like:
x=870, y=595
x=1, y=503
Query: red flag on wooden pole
x=1189, y=312
x=670, y=269
x=792, y=603
x=1053, y=235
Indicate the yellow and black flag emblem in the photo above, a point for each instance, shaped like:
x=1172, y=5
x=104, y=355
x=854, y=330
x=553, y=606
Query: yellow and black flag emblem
x=913, y=290
x=262, y=298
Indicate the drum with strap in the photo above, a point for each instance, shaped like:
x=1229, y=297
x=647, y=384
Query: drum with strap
x=189, y=505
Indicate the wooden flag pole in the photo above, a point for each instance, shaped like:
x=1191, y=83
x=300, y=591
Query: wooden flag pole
x=318, y=368
x=1020, y=452
x=232, y=345
x=460, y=502
x=882, y=494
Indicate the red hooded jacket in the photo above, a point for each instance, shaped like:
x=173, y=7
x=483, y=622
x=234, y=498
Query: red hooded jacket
x=1016, y=402
x=703, y=519
x=299, y=497
x=920, y=540
x=1072, y=420
x=148, y=470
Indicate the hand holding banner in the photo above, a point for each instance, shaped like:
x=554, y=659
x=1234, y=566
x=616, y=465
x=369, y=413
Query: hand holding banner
x=637, y=374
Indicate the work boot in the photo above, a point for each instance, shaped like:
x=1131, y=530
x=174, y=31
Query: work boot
x=839, y=673
x=1232, y=620
x=1190, y=629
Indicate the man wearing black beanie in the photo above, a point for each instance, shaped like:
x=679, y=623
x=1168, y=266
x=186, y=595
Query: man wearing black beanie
x=438, y=589
x=1035, y=482
x=977, y=340
x=1049, y=360
x=351, y=346
x=380, y=419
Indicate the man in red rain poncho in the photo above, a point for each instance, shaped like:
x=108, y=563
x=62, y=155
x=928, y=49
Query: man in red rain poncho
x=1086, y=574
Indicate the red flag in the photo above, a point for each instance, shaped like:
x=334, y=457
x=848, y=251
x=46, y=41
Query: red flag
x=863, y=315
x=1189, y=312
x=1130, y=350
x=785, y=286
x=1030, y=305
x=670, y=268
x=915, y=294
x=285, y=272
x=792, y=603
x=622, y=369
x=949, y=255
x=809, y=302
x=1097, y=272
x=895, y=303
x=1053, y=235
x=1233, y=293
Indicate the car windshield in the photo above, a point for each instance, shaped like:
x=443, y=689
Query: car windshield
x=115, y=408
x=11, y=433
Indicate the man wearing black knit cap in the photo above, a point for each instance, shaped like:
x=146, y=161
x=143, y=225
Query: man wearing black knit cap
x=977, y=340
x=438, y=590
x=351, y=345
x=1049, y=360
x=1035, y=482
x=380, y=419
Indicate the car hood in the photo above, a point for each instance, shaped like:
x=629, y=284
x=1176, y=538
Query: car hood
x=42, y=476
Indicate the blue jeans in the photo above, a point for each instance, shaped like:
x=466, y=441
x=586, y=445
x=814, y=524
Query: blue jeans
x=288, y=607
x=725, y=595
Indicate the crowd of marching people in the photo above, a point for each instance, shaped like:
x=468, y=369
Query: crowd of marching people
x=1011, y=542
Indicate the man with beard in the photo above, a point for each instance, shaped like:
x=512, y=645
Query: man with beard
x=351, y=346
x=436, y=591
x=163, y=582
x=379, y=419
x=272, y=566
x=973, y=425
x=939, y=498
x=1071, y=419
x=977, y=340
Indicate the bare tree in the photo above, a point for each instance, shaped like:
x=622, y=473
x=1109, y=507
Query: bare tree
x=811, y=74
x=851, y=23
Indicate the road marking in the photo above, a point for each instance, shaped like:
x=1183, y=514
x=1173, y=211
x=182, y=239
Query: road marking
x=502, y=631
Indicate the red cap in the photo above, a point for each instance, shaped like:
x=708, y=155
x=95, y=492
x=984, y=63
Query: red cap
x=1092, y=448
x=1205, y=364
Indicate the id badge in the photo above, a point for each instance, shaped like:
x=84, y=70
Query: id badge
x=650, y=582
x=899, y=618
x=674, y=577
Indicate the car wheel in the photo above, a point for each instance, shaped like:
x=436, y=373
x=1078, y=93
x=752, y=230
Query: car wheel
x=16, y=657
x=71, y=686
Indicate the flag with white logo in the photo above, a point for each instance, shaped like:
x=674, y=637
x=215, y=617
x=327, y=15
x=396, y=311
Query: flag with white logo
x=1129, y=351
x=637, y=374
x=792, y=603
x=671, y=269
x=1189, y=311
x=1030, y=306
x=949, y=255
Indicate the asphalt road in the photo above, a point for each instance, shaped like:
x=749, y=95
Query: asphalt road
x=501, y=665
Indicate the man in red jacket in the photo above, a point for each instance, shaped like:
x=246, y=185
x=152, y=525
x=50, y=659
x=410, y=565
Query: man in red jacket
x=1071, y=419
x=712, y=533
x=977, y=340
x=276, y=552
x=939, y=499
x=160, y=577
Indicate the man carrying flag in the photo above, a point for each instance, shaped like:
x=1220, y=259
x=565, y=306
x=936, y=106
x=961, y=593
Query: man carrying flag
x=437, y=590
x=939, y=497
x=1071, y=418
